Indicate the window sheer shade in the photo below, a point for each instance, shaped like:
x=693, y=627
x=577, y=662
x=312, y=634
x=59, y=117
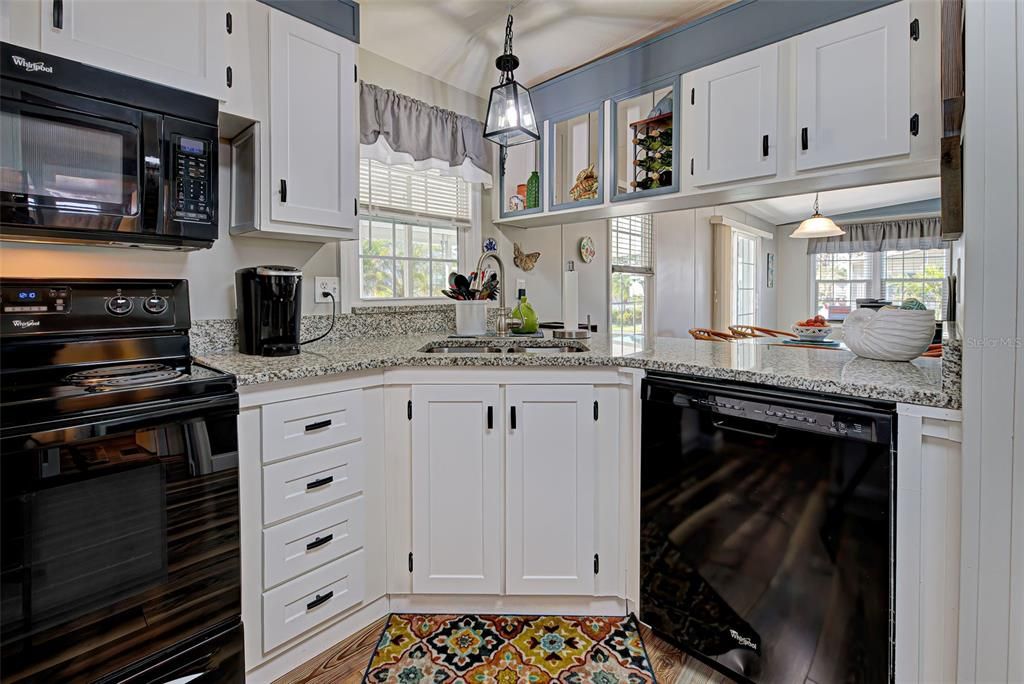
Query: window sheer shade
x=403, y=191
x=631, y=244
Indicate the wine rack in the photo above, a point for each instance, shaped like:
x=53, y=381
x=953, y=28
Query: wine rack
x=652, y=152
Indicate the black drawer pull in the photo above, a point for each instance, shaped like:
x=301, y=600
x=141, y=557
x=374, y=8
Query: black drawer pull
x=318, y=425
x=284, y=191
x=320, y=483
x=318, y=542
x=490, y=417
x=803, y=138
x=764, y=146
x=513, y=417
x=58, y=14
x=320, y=600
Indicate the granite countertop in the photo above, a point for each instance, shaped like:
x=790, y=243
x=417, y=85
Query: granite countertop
x=931, y=382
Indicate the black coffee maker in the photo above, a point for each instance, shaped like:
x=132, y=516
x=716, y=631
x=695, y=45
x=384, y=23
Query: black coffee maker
x=268, y=302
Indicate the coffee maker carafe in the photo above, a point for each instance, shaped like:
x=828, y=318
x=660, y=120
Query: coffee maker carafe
x=268, y=303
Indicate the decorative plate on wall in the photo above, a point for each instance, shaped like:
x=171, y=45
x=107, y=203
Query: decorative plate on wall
x=490, y=245
x=587, y=249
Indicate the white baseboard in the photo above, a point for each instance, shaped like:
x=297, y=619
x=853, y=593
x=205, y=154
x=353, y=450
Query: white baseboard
x=523, y=605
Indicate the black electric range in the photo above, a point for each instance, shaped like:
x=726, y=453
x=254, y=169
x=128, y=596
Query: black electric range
x=118, y=471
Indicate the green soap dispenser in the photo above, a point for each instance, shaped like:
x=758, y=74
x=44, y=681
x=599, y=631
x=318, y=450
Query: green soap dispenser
x=526, y=314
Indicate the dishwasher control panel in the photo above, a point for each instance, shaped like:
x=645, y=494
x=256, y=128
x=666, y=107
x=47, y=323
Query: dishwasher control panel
x=829, y=423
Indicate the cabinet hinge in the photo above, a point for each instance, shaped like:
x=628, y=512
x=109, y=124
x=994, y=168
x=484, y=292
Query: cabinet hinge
x=693, y=96
x=915, y=124
x=915, y=30
x=597, y=564
x=228, y=76
x=410, y=561
x=228, y=23
x=595, y=409
x=409, y=413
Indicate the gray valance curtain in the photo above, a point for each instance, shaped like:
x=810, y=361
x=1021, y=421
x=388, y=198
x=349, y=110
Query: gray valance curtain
x=397, y=129
x=910, y=233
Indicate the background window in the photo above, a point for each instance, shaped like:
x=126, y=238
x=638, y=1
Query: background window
x=409, y=232
x=839, y=280
x=744, y=303
x=917, y=273
x=632, y=262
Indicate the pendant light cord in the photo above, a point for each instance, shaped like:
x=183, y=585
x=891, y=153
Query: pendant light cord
x=816, y=203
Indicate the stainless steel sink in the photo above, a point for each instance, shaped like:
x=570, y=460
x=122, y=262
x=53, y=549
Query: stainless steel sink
x=463, y=350
x=467, y=349
x=546, y=350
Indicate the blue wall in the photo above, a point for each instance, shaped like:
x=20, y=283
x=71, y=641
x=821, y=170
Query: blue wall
x=738, y=28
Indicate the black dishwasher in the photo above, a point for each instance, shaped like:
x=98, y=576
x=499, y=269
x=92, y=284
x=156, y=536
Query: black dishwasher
x=767, y=537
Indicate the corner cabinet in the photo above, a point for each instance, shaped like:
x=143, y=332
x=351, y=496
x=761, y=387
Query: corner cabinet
x=731, y=114
x=179, y=44
x=853, y=89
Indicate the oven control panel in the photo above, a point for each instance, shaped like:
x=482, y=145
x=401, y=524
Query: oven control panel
x=36, y=299
x=192, y=178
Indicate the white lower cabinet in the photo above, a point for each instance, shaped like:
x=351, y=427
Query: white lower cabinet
x=456, y=489
x=551, y=471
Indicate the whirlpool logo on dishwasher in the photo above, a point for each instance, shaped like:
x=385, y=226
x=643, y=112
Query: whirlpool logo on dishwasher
x=30, y=67
x=742, y=640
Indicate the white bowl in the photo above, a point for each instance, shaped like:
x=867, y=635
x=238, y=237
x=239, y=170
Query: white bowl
x=812, y=333
x=889, y=334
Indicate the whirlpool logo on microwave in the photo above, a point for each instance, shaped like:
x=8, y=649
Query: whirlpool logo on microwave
x=31, y=323
x=30, y=67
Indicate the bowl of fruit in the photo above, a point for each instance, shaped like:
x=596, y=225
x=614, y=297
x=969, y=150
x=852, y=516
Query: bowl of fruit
x=813, y=329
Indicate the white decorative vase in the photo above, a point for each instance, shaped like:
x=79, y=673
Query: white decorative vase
x=889, y=334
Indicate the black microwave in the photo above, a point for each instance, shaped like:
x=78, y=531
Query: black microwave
x=88, y=156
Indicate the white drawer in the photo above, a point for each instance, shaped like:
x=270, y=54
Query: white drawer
x=311, y=481
x=304, y=425
x=304, y=603
x=311, y=540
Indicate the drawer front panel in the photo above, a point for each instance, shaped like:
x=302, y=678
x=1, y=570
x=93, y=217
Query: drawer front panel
x=302, y=604
x=304, y=425
x=301, y=484
x=312, y=540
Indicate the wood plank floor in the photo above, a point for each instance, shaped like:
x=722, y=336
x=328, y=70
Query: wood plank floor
x=346, y=662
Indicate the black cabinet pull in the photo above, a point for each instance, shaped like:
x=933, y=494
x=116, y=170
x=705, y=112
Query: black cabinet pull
x=229, y=78
x=513, y=417
x=320, y=483
x=284, y=191
x=318, y=542
x=320, y=600
x=228, y=24
x=915, y=124
x=764, y=146
x=319, y=425
x=803, y=138
x=58, y=14
x=490, y=417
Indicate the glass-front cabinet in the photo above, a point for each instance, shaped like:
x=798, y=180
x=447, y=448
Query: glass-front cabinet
x=645, y=135
x=522, y=175
x=577, y=148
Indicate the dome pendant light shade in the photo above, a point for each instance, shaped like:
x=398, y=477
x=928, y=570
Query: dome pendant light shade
x=817, y=226
x=510, y=119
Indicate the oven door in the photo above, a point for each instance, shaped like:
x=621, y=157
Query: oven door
x=120, y=539
x=73, y=168
x=765, y=550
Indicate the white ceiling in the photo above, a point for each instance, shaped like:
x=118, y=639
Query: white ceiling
x=782, y=210
x=456, y=41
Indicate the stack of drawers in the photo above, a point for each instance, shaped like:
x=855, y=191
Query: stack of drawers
x=313, y=512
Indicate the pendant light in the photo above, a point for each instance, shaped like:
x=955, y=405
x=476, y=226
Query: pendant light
x=510, y=119
x=817, y=225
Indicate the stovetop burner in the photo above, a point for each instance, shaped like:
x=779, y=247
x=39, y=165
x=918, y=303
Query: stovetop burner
x=118, y=377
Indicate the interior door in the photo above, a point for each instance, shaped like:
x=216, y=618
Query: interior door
x=551, y=465
x=313, y=155
x=853, y=89
x=181, y=44
x=732, y=117
x=456, y=489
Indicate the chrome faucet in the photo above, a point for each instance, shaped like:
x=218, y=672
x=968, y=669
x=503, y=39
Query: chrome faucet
x=506, y=321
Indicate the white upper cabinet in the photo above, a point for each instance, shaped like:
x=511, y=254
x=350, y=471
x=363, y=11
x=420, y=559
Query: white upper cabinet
x=456, y=489
x=731, y=117
x=853, y=89
x=551, y=473
x=313, y=131
x=175, y=43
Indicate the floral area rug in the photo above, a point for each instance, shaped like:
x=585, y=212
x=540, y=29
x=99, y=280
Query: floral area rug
x=509, y=649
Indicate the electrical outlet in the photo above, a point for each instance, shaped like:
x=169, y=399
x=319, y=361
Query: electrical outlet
x=325, y=284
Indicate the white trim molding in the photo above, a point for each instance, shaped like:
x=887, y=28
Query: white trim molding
x=742, y=227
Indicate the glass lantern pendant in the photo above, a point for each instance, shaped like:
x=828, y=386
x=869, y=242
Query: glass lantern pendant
x=510, y=119
x=817, y=226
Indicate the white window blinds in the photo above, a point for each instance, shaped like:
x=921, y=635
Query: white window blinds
x=399, y=189
x=632, y=238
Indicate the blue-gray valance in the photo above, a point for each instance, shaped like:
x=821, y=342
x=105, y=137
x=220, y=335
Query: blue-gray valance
x=397, y=129
x=881, y=236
